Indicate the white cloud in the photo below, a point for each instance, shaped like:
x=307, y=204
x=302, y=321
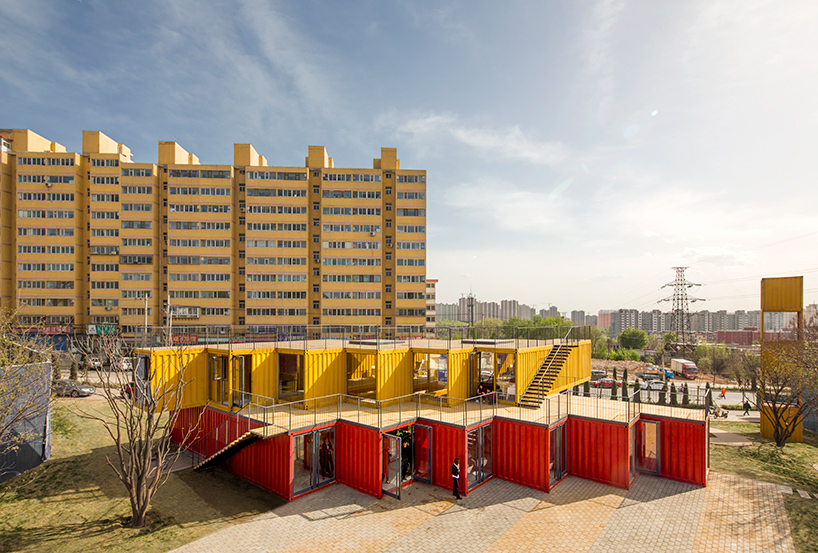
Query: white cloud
x=431, y=132
x=505, y=206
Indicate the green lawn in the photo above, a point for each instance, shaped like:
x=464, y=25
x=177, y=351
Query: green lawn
x=790, y=466
x=75, y=503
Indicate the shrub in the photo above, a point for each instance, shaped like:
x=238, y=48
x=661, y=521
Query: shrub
x=56, y=374
x=685, y=395
x=674, y=399
x=663, y=396
x=587, y=389
x=74, y=370
x=614, y=387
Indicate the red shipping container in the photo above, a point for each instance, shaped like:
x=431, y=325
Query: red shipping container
x=521, y=453
x=448, y=442
x=683, y=453
x=358, y=457
x=266, y=463
x=599, y=451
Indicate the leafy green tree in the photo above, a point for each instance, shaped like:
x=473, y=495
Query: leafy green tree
x=614, y=373
x=633, y=338
x=668, y=338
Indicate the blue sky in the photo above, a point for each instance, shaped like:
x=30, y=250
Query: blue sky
x=575, y=150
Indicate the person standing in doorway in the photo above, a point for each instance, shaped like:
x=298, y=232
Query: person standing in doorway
x=456, y=478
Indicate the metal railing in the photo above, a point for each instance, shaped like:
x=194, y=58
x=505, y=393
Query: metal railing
x=269, y=418
x=365, y=336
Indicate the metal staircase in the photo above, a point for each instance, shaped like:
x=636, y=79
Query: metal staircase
x=543, y=381
x=208, y=449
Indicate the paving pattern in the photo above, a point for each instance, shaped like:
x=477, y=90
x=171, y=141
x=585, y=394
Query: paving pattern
x=731, y=514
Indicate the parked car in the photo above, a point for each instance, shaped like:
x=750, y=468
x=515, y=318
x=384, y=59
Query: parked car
x=652, y=384
x=94, y=363
x=125, y=364
x=71, y=388
x=605, y=383
x=598, y=375
x=128, y=389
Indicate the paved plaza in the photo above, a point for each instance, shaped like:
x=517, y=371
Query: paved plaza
x=655, y=515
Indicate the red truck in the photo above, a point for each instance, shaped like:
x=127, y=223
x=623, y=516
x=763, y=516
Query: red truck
x=685, y=368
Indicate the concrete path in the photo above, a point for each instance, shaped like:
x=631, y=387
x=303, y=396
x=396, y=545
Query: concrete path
x=723, y=437
x=730, y=514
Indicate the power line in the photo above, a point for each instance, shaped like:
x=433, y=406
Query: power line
x=787, y=273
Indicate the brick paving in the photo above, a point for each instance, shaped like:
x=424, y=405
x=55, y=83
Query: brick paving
x=732, y=514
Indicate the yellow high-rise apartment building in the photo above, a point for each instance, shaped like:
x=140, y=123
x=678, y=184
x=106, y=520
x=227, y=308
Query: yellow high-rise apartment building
x=87, y=238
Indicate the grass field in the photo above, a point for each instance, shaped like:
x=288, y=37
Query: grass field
x=790, y=466
x=75, y=503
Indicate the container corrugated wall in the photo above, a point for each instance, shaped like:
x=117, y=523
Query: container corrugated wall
x=528, y=363
x=787, y=415
x=598, y=451
x=458, y=373
x=782, y=294
x=577, y=368
x=324, y=373
x=521, y=453
x=358, y=457
x=394, y=373
x=683, y=454
x=166, y=364
x=266, y=463
x=448, y=442
x=264, y=373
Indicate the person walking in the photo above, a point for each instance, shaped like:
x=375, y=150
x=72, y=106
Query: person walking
x=746, y=407
x=456, y=478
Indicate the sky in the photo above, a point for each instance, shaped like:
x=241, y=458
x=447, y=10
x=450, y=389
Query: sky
x=575, y=151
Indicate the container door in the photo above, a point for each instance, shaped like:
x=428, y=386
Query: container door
x=474, y=373
x=304, y=473
x=479, y=455
x=326, y=455
x=648, y=456
x=632, y=451
x=422, y=448
x=239, y=399
x=558, y=467
x=391, y=465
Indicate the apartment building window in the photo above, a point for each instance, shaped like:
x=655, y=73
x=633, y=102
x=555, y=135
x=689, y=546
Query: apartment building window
x=316, y=239
x=388, y=190
x=389, y=305
x=316, y=257
x=389, y=223
x=316, y=288
x=316, y=321
x=388, y=272
x=388, y=288
x=241, y=220
x=316, y=305
x=241, y=287
x=241, y=304
x=388, y=207
x=388, y=256
x=388, y=321
x=316, y=189
x=316, y=222
x=316, y=206
x=242, y=254
x=316, y=272
x=241, y=271
x=242, y=319
x=241, y=238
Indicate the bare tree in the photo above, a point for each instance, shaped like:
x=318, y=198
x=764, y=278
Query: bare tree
x=25, y=394
x=788, y=381
x=144, y=412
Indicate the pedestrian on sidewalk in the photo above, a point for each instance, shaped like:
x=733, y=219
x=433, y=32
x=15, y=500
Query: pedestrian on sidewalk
x=746, y=407
x=723, y=392
x=456, y=478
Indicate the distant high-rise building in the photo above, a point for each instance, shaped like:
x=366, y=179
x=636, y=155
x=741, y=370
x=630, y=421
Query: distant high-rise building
x=578, y=317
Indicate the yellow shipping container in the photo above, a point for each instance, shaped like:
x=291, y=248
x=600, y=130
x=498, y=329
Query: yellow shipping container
x=767, y=426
